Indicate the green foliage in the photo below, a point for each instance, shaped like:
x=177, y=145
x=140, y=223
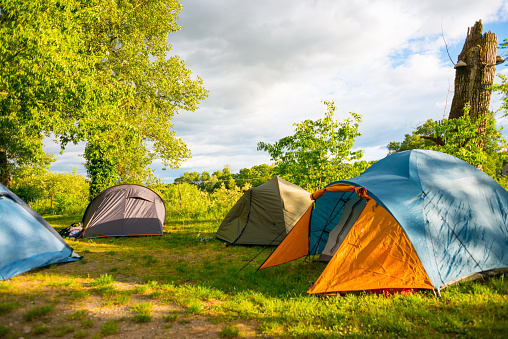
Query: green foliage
x=101, y=171
x=414, y=140
x=171, y=317
x=254, y=176
x=51, y=193
x=37, y=55
x=187, y=201
x=319, y=152
x=40, y=330
x=80, y=334
x=460, y=138
x=97, y=71
x=78, y=315
x=502, y=89
x=87, y=323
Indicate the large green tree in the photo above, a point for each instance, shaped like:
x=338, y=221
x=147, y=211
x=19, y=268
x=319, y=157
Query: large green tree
x=319, y=152
x=97, y=71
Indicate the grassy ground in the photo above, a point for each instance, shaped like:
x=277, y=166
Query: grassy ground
x=183, y=285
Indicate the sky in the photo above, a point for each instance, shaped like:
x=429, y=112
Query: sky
x=270, y=64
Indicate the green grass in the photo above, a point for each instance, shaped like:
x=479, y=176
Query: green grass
x=142, y=311
x=8, y=307
x=87, y=323
x=109, y=327
x=37, y=312
x=78, y=315
x=63, y=330
x=170, y=317
x=80, y=334
x=103, y=280
x=3, y=330
x=40, y=329
x=221, y=284
x=229, y=331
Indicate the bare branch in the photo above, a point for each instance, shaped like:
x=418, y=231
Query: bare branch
x=446, y=46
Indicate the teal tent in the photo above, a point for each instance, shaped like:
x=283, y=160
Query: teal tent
x=419, y=219
x=27, y=241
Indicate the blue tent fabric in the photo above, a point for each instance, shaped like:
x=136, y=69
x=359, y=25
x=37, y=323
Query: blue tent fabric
x=455, y=215
x=27, y=241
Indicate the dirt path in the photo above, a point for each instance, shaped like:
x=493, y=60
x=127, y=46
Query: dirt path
x=167, y=320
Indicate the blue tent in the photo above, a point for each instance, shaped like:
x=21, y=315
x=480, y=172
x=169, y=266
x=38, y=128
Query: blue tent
x=27, y=241
x=454, y=216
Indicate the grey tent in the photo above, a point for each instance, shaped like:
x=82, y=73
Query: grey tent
x=124, y=210
x=265, y=214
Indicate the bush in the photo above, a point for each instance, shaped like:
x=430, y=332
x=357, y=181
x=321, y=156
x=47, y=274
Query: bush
x=187, y=201
x=52, y=193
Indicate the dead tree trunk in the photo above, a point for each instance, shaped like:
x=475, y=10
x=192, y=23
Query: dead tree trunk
x=474, y=74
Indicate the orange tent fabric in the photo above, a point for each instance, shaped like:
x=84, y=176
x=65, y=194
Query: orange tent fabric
x=375, y=254
x=294, y=246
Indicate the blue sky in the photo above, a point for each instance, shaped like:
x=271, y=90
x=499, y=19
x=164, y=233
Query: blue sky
x=270, y=64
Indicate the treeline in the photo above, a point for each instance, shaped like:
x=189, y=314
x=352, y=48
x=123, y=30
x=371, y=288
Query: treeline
x=254, y=176
x=52, y=193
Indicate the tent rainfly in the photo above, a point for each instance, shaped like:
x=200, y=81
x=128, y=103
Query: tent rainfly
x=124, y=210
x=417, y=219
x=265, y=214
x=27, y=241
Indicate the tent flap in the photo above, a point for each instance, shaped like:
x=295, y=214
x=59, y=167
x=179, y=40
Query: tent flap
x=375, y=254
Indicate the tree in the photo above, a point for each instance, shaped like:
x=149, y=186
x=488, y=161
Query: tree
x=255, y=176
x=474, y=75
x=319, y=152
x=97, y=71
x=469, y=133
x=36, y=57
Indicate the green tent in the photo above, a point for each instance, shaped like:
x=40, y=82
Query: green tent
x=265, y=214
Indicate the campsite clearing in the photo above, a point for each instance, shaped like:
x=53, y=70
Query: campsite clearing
x=182, y=285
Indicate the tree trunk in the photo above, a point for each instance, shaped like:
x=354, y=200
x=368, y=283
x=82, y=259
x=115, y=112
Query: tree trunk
x=5, y=175
x=474, y=74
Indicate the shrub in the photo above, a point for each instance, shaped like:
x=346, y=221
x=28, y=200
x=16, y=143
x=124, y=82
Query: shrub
x=52, y=193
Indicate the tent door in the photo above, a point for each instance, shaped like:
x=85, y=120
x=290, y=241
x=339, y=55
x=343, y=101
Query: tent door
x=352, y=210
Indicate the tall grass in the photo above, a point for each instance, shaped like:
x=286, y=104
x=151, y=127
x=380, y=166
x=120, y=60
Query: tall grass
x=187, y=202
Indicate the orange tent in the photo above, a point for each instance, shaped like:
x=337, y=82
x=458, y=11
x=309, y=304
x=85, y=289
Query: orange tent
x=375, y=254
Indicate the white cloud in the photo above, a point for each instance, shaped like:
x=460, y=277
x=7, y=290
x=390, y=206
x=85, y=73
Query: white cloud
x=269, y=64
